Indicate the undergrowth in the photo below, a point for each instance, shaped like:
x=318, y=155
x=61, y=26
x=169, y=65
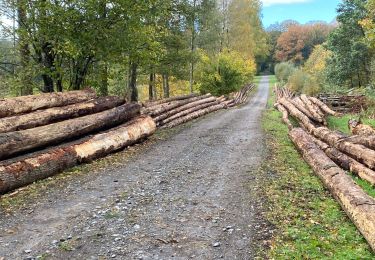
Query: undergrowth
x=310, y=223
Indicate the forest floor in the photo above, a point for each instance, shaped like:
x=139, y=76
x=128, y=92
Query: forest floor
x=189, y=193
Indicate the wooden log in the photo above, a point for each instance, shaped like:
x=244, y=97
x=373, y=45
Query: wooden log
x=25, y=104
x=162, y=108
x=345, y=162
x=55, y=114
x=298, y=103
x=25, y=171
x=194, y=115
x=365, y=140
x=340, y=142
x=166, y=100
x=312, y=109
x=182, y=108
x=188, y=111
x=358, y=205
x=16, y=142
x=293, y=111
x=285, y=115
x=323, y=106
x=357, y=128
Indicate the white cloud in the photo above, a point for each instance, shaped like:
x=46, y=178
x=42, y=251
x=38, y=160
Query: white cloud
x=284, y=2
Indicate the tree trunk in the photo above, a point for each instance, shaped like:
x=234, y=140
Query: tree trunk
x=133, y=82
x=26, y=140
x=103, y=88
x=359, y=206
x=194, y=115
x=163, y=108
x=48, y=59
x=55, y=114
x=192, y=47
x=25, y=104
x=24, y=50
x=151, y=87
x=188, y=109
x=55, y=160
x=166, y=85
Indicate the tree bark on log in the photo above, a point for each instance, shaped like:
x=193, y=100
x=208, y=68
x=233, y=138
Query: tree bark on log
x=188, y=111
x=357, y=128
x=368, y=141
x=359, y=206
x=194, y=115
x=162, y=108
x=345, y=162
x=285, y=115
x=25, y=104
x=340, y=142
x=21, y=141
x=53, y=161
x=298, y=103
x=166, y=100
x=323, y=106
x=314, y=110
x=182, y=108
x=297, y=114
x=55, y=114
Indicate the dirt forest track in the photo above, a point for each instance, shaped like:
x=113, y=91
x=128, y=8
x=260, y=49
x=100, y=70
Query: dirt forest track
x=190, y=196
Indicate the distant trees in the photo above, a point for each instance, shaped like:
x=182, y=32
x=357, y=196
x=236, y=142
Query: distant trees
x=298, y=41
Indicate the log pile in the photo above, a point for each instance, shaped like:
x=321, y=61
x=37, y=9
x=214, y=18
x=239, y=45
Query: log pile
x=172, y=112
x=45, y=134
x=331, y=153
x=345, y=103
x=241, y=96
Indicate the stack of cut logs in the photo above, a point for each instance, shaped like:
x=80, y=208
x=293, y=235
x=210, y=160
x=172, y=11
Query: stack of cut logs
x=331, y=154
x=171, y=112
x=44, y=134
x=344, y=103
x=241, y=96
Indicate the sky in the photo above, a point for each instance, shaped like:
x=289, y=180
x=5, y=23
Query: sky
x=300, y=10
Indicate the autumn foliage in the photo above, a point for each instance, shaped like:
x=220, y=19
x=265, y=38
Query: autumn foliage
x=296, y=44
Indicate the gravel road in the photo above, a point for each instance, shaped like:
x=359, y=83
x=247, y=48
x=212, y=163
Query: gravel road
x=193, y=195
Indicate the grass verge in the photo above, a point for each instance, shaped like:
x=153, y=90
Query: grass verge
x=310, y=223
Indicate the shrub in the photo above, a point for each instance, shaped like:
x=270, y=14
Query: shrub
x=224, y=74
x=283, y=71
x=297, y=80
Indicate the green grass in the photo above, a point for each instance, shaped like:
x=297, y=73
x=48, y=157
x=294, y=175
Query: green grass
x=341, y=123
x=310, y=223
